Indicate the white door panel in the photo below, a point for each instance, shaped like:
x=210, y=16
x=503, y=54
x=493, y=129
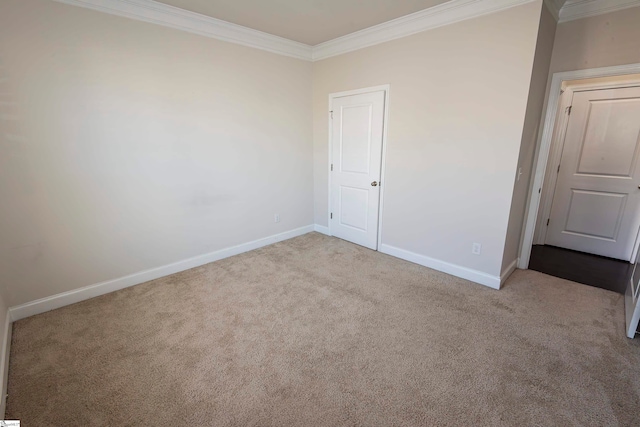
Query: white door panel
x=356, y=139
x=353, y=208
x=611, y=139
x=586, y=210
x=596, y=204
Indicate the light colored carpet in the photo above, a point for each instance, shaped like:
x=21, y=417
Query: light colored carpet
x=316, y=331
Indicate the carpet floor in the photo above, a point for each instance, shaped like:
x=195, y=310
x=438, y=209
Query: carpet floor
x=315, y=331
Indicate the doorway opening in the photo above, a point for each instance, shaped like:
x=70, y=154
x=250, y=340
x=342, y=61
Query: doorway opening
x=357, y=149
x=583, y=220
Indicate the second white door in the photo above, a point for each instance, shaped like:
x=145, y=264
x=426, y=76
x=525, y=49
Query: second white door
x=356, y=147
x=596, y=204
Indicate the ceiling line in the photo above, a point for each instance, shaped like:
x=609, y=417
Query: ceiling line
x=433, y=17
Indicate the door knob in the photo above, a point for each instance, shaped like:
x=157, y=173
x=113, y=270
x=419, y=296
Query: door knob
x=374, y=184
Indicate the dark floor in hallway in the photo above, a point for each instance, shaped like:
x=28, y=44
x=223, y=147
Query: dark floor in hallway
x=593, y=270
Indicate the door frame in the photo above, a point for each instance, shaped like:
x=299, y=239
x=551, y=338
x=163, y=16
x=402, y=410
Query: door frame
x=543, y=146
x=385, y=122
x=557, y=147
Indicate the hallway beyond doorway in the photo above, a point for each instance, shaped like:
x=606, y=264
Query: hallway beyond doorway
x=592, y=270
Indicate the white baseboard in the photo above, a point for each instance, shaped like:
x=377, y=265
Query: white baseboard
x=4, y=362
x=507, y=271
x=322, y=229
x=66, y=298
x=446, y=267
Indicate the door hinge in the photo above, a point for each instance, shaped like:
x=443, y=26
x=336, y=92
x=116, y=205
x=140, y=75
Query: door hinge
x=569, y=109
x=558, y=169
x=331, y=114
x=331, y=167
x=331, y=215
x=549, y=219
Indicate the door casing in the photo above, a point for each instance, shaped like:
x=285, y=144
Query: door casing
x=555, y=153
x=385, y=126
x=610, y=185
x=543, y=146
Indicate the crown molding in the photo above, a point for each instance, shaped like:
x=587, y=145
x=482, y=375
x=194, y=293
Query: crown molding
x=438, y=16
x=578, y=9
x=554, y=7
x=433, y=17
x=180, y=19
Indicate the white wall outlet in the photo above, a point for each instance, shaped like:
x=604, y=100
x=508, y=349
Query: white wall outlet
x=476, y=248
x=276, y=218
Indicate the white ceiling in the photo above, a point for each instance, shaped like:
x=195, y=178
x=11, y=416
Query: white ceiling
x=306, y=21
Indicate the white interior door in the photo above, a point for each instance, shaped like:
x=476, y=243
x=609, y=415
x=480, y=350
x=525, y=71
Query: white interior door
x=356, y=142
x=596, y=204
x=631, y=301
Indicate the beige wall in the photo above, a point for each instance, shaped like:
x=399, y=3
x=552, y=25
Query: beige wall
x=125, y=146
x=135, y=146
x=457, y=107
x=599, y=41
x=535, y=104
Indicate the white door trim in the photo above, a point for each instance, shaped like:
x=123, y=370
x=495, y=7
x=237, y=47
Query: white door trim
x=555, y=154
x=544, y=145
x=557, y=145
x=383, y=182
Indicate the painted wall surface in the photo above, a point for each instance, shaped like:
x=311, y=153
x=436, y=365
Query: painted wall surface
x=126, y=146
x=457, y=108
x=599, y=41
x=535, y=105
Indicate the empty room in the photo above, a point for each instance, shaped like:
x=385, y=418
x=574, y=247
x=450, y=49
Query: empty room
x=319, y=212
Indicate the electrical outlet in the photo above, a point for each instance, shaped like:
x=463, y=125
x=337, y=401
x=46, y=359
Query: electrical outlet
x=276, y=218
x=476, y=248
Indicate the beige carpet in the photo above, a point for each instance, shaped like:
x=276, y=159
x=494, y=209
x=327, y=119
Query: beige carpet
x=316, y=331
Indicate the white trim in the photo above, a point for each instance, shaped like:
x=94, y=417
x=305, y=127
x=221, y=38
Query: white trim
x=60, y=300
x=636, y=247
x=180, y=19
x=554, y=7
x=322, y=229
x=579, y=9
x=4, y=363
x=383, y=183
x=438, y=16
x=551, y=174
x=434, y=17
x=443, y=266
x=631, y=310
x=383, y=168
x=162, y=14
x=544, y=144
x=508, y=271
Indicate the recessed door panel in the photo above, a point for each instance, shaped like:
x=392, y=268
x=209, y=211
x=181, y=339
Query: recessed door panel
x=355, y=144
x=595, y=214
x=610, y=144
x=356, y=156
x=596, y=203
x=354, y=207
